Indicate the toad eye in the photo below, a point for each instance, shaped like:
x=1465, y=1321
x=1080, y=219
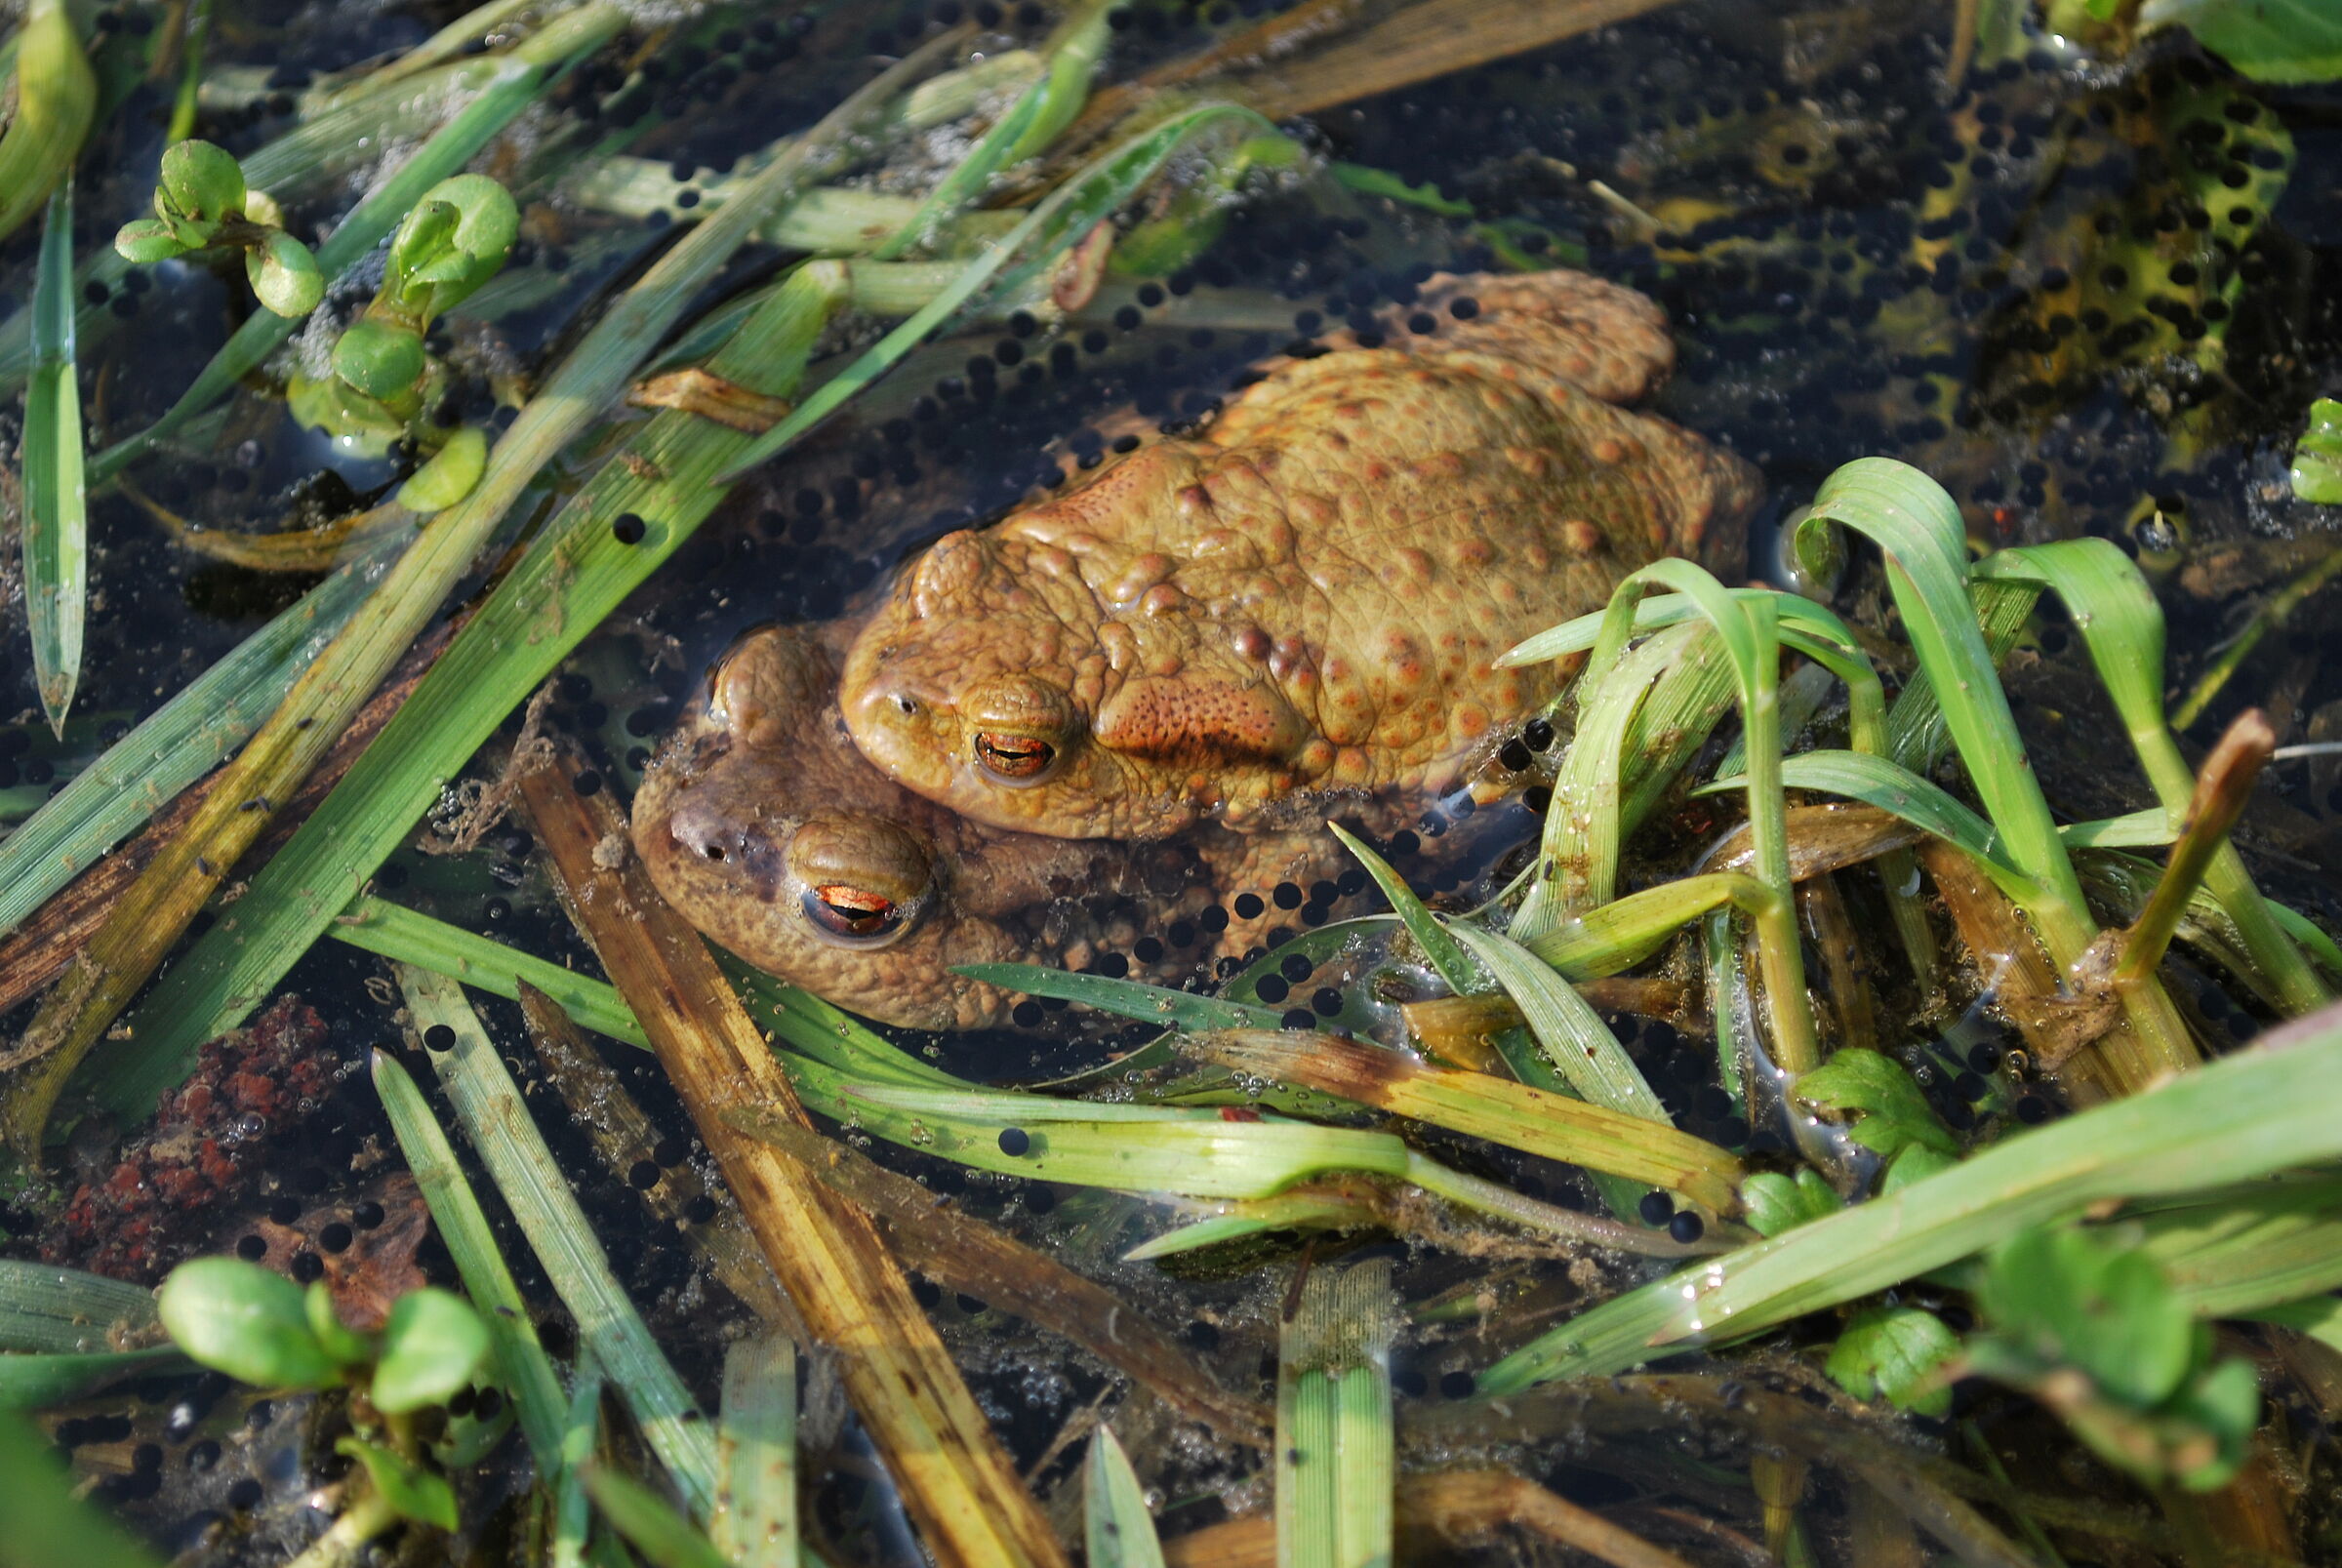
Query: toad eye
x=1013, y=758
x=853, y=915
x=908, y=705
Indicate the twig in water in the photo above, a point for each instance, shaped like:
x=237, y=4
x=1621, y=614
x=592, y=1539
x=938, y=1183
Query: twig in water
x=2222, y=788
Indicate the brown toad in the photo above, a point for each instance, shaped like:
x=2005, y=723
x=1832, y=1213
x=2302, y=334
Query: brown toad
x=1309, y=598
x=765, y=828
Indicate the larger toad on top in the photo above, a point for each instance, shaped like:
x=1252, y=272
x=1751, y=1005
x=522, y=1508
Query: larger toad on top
x=1309, y=597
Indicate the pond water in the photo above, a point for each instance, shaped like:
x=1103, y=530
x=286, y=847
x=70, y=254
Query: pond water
x=2091, y=293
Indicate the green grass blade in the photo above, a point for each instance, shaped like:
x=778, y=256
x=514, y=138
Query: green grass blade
x=1335, y=1445
x=1071, y=212
x=57, y=519
x=2239, y=1118
x=487, y=1103
x=1126, y=998
x=1624, y=932
x=2311, y=936
x=757, y=1454
x=664, y=1537
x=516, y=85
x=1919, y=528
x=59, y=1311
x=1445, y=955
x=1116, y=1524
x=406, y=937
x=2247, y=1250
x=34, y=1382
x=2138, y=829
x=48, y=1525
x=573, y=1513
x=2113, y=607
x=1574, y=1037
x=170, y=750
x=521, y=1365
x=1927, y=806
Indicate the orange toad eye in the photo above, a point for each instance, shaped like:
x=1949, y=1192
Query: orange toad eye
x=852, y=913
x=1013, y=758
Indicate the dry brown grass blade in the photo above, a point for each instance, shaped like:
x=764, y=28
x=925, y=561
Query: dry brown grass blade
x=296, y=549
x=40, y=949
x=1821, y=839
x=955, y=1480
x=623, y=1135
x=1456, y=1509
x=962, y=1253
x=2223, y=786
x=1325, y=52
x=1847, y=979
x=1462, y=1029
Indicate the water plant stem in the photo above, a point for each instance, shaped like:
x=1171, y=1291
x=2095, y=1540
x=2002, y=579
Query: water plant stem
x=2222, y=788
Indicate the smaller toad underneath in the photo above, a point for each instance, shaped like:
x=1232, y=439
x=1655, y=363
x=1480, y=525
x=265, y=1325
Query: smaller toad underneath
x=767, y=830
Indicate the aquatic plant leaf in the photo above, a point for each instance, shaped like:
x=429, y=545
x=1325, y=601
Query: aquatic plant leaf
x=241, y=1319
x=48, y=1525
x=2063, y=1295
x=451, y=474
x=35, y=1381
x=1126, y=998
x=487, y=1103
x=431, y=1345
x=47, y=1308
x=1895, y=1114
x=146, y=240
x=340, y=1342
x=1895, y=1353
x=412, y=1491
x=1335, y=1446
x=2240, y=1118
x=519, y=1362
x=662, y=1536
x=1572, y=1034
x=755, y=1517
x=1116, y=1524
x=1448, y=960
x=2318, y=455
x=56, y=527
x=1875, y=781
x=1624, y=932
x=284, y=275
x=200, y=180
x=56, y=97
x=1774, y=1203
x=1370, y=181
x=2268, y=40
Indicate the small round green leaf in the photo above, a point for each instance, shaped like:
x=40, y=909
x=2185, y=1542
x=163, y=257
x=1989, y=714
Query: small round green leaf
x=454, y=469
x=343, y=1344
x=379, y=359
x=147, y=241
x=284, y=275
x=431, y=1347
x=239, y=1319
x=202, y=181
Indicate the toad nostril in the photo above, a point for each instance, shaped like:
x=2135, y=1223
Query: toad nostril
x=714, y=852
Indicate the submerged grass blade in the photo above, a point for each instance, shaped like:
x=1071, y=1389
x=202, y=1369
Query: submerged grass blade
x=519, y=1357
x=35, y=1381
x=57, y=519
x=664, y=1537
x=2240, y=1118
x=757, y=1454
x=487, y=1103
x=1126, y=998
x=58, y=1310
x=1116, y=1524
x=1925, y=805
x=1335, y=1451
x=1073, y=211
x=1574, y=1037
x=406, y=937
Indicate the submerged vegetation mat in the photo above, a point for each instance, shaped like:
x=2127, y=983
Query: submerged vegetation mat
x=1850, y=1080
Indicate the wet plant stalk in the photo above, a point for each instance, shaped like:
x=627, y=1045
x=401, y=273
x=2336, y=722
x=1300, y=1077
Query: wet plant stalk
x=955, y=1480
x=157, y=909
x=57, y=94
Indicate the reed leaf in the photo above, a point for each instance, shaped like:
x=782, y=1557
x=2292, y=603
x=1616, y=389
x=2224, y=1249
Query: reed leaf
x=572, y=1510
x=1446, y=956
x=1575, y=1039
x=57, y=519
x=2246, y=1250
x=1925, y=805
x=2242, y=1118
x=1116, y=1524
x=1336, y=1450
x=407, y=936
x=664, y=1537
x=1920, y=532
x=516, y=1355
x=1126, y=998
x=487, y=1103
x=1624, y=932
x=55, y=1310
x=2113, y=607
x=757, y=1454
